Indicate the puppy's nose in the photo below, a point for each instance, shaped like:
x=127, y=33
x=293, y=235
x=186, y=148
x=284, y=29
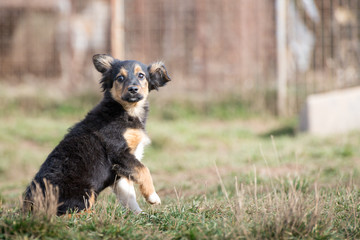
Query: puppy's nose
x=133, y=89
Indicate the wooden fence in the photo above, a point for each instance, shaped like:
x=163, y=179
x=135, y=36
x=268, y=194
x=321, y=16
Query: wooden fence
x=211, y=47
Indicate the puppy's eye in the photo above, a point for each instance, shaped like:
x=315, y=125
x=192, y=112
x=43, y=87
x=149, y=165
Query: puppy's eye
x=141, y=76
x=120, y=78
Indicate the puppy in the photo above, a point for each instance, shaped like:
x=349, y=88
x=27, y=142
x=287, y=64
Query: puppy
x=106, y=148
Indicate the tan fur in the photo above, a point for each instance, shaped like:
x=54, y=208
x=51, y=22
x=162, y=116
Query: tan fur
x=144, y=90
x=133, y=137
x=143, y=178
x=155, y=66
x=80, y=214
x=122, y=72
x=106, y=61
x=134, y=109
x=91, y=199
x=116, y=92
x=159, y=67
x=137, y=69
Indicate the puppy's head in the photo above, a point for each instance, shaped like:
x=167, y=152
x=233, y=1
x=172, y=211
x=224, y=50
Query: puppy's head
x=129, y=82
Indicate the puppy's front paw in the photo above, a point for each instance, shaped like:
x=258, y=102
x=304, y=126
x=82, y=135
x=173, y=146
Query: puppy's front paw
x=137, y=211
x=154, y=199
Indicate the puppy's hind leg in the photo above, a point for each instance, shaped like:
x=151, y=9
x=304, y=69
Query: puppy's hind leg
x=125, y=193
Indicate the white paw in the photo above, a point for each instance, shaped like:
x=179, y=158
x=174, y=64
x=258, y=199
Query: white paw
x=154, y=199
x=137, y=211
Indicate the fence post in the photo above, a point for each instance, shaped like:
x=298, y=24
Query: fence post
x=117, y=29
x=281, y=33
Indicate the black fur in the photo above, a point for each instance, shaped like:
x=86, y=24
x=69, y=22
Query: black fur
x=83, y=161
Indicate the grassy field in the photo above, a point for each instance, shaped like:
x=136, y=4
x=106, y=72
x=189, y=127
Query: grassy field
x=222, y=172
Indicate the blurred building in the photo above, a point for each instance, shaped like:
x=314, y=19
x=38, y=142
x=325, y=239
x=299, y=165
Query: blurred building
x=209, y=46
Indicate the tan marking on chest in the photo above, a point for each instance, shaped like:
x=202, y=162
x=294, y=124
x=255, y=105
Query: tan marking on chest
x=133, y=137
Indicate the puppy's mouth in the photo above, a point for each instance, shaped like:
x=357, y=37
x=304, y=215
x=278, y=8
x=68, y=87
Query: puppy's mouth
x=132, y=98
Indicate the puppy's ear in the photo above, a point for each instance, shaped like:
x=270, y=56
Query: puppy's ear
x=158, y=75
x=102, y=62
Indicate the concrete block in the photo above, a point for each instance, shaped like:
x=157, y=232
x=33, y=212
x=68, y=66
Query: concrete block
x=332, y=112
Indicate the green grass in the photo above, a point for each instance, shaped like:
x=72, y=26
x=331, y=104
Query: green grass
x=222, y=173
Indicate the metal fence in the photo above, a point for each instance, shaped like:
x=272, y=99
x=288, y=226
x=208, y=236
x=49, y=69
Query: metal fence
x=211, y=47
x=334, y=59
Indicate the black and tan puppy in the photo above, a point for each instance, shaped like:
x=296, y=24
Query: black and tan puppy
x=105, y=149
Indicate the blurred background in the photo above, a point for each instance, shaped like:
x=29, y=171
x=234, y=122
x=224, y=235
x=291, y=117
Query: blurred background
x=269, y=54
x=242, y=71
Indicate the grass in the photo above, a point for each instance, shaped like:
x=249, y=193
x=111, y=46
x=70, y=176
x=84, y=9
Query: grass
x=222, y=173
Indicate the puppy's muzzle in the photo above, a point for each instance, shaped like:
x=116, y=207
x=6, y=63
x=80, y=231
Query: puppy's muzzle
x=133, y=89
x=133, y=94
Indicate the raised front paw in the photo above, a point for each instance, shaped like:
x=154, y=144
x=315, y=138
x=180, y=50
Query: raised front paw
x=154, y=199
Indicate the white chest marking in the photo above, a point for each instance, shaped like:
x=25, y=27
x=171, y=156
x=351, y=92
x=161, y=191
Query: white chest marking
x=139, y=151
x=136, y=140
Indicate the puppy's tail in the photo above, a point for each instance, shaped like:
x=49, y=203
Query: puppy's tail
x=41, y=198
x=28, y=202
